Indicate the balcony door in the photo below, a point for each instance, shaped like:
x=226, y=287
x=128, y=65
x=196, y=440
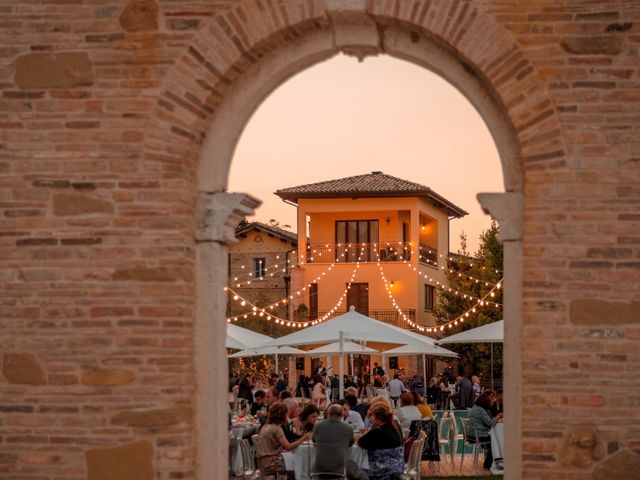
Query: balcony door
x=356, y=232
x=358, y=296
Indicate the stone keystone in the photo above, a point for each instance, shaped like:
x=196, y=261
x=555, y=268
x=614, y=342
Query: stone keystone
x=354, y=31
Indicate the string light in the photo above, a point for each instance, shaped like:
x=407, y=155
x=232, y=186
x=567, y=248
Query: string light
x=481, y=303
x=276, y=265
x=446, y=288
x=460, y=274
x=263, y=312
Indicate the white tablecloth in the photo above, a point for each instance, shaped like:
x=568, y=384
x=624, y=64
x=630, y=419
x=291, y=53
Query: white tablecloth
x=497, y=446
x=301, y=459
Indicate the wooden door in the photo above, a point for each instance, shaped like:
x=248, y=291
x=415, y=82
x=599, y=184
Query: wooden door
x=358, y=296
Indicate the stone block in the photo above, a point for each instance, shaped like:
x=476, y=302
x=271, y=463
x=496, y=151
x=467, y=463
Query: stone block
x=618, y=467
x=131, y=461
x=594, y=45
x=139, y=16
x=107, y=378
x=159, y=417
x=22, y=369
x=602, y=312
x=65, y=204
x=53, y=70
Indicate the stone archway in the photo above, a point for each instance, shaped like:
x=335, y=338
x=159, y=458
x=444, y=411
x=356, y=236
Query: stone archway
x=232, y=65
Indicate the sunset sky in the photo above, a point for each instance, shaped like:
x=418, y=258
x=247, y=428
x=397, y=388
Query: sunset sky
x=343, y=118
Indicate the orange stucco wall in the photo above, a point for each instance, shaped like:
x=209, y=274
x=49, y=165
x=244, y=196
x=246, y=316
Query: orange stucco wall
x=318, y=217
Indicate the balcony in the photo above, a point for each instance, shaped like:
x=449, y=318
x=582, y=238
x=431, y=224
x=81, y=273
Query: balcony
x=428, y=256
x=363, y=252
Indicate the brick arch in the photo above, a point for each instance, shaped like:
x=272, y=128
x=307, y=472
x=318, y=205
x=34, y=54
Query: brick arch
x=233, y=64
x=238, y=41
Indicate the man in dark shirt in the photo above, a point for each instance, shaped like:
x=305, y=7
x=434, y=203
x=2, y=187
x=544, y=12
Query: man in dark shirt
x=378, y=370
x=258, y=403
x=332, y=438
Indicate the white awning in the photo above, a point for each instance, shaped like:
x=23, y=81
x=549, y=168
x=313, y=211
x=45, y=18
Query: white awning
x=490, y=333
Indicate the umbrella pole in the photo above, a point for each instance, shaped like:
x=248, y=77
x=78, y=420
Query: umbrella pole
x=341, y=371
x=276, y=359
x=492, y=367
x=424, y=370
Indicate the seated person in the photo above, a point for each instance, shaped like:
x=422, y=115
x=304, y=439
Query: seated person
x=352, y=419
x=284, y=394
x=497, y=406
x=272, y=442
x=407, y=412
x=479, y=425
x=332, y=438
x=357, y=407
x=425, y=410
x=306, y=420
x=259, y=407
x=294, y=410
x=383, y=444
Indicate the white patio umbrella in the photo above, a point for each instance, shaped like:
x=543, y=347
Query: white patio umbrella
x=256, y=352
x=350, y=326
x=421, y=348
x=245, y=339
x=347, y=347
x=489, y=333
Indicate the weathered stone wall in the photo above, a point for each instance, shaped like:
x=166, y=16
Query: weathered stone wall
x=103, y=112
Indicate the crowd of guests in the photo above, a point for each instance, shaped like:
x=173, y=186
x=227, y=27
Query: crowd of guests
x=376, y=426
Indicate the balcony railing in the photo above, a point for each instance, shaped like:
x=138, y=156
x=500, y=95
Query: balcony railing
x=390, y=315
x=363, y=252
x=428, y=255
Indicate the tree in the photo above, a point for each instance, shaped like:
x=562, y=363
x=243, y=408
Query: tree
x=475, y=276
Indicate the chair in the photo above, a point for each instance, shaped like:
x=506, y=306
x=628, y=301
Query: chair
x=234, y=391
x=334, y=459
x=457, y=435
x=472, y=440
x=412, y=466
x=249, y=470
x=371, y=391
x=445, y=434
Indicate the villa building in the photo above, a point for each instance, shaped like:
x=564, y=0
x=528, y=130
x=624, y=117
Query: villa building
x=373, y=241
x=259, y=265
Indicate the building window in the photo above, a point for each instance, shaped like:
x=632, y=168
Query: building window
x=259, y=267
x=313, y=301
x=429, y=298
x=356, y=232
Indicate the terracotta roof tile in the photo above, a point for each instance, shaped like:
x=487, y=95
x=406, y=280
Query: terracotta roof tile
x=374, y=184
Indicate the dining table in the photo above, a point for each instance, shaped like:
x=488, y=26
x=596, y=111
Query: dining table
x=300, y=460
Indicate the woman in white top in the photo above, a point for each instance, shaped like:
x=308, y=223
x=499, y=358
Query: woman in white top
x=408, y=411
